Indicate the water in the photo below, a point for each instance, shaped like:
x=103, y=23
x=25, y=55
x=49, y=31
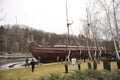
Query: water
x=6, y=63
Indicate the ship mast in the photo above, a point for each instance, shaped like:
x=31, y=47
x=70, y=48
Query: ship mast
x=68, y=40
x=68, y=24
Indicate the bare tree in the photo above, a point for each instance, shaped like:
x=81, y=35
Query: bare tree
x=86, y=30
x=107, y=9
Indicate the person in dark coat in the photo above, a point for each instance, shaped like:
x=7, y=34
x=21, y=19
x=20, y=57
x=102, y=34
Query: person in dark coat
x=109, y=66
x=89, y=65
x=33, y=65
x=118, y=63
x=84, y=57
x=27, y=61
x=94, y=65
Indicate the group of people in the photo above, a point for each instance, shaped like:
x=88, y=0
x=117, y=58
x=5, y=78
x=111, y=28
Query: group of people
x=93, y=65
x=106, y=64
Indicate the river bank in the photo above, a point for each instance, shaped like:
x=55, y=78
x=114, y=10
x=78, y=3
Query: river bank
x=13, y=61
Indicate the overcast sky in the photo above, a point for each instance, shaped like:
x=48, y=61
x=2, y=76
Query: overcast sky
x=46, y=15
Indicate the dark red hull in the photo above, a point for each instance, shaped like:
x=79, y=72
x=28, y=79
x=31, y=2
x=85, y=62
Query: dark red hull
x=55, y=54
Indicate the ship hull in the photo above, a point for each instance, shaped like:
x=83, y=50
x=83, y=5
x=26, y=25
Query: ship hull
x=56, y=54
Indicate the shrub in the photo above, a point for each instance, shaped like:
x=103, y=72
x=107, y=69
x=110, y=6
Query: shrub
x=94, y=75
x=114, y=75
x=53, y=76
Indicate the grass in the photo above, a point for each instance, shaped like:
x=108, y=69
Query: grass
x=44, y=71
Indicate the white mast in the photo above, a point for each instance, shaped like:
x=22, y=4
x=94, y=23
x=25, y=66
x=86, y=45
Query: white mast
x=68, y=24
x=68, y=41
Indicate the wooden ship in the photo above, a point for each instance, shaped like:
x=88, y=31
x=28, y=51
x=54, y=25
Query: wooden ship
x=59, y=53
x=62, y=53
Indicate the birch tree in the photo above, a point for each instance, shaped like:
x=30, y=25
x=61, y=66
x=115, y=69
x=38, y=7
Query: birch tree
x=111, y=12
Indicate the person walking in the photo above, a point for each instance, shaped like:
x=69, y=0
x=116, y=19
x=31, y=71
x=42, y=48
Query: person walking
x=33, y=65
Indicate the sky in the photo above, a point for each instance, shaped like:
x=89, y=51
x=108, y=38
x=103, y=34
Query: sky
x=46, y=15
